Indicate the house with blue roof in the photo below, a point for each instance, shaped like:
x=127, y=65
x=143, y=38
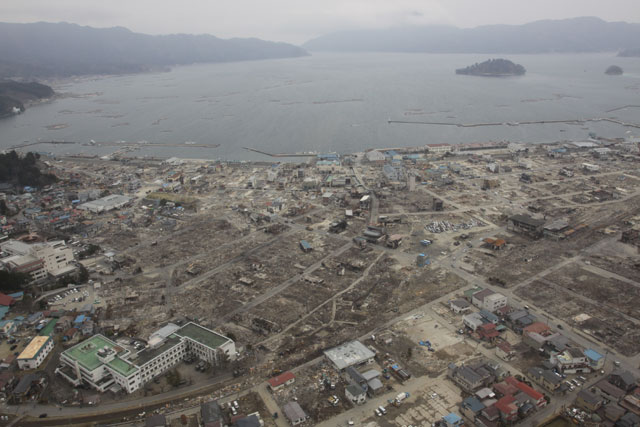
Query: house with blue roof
x=594, y=359
x=471, y=407
x=393, y=155
x=34, y=318
x=489, y=317
x=17, y=295
x=453, y=420
x=3, y=311
x=79, y=319
x=328, y=156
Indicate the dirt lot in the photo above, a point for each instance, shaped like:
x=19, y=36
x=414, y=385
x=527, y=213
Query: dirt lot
x=311, y=393
x=435, y=399
x=619, y=258
x=600, y=322
x=448, y=347
x=615, y=294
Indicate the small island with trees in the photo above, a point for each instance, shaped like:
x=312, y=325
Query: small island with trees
x=614, y=70
x=493, y=68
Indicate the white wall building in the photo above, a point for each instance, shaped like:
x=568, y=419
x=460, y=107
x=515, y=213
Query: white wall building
x=494, y=301
x=105, y=204
x=35, y=352
x=38, y=259
x=473, y=321
x=375, y=156
x=103, y=364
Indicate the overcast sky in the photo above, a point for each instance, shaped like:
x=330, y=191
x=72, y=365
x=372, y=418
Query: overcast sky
x=296, y=21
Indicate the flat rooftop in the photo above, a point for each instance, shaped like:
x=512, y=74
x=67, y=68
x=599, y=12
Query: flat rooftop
x=349, y=354
x=33, y=348
x=122, y=367
x=150, y=353
x=85, y=353
x=202, y=335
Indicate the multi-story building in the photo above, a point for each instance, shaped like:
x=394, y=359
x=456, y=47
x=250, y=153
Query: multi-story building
x=103, y=364
x=494, y=301
x=489, y=300
x=570, y=361
x=35, y=352
x=38, y=259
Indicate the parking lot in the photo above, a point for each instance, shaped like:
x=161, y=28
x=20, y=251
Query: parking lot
x=73, y=298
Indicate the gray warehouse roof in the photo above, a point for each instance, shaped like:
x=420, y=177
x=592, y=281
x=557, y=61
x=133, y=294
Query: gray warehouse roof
x=349, y=354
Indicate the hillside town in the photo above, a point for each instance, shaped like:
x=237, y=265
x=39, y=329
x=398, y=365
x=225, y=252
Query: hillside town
x=482, y=285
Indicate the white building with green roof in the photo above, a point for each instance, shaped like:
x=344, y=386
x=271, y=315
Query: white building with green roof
x=103, y=364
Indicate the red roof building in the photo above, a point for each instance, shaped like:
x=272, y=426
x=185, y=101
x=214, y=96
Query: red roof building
x=505, y=389
x=6, y=300
x=488, y=331
x=508, y=409
x=70, y=334
x=539, y=328
x=536, y=396
x=281, y=380
x=491, y=413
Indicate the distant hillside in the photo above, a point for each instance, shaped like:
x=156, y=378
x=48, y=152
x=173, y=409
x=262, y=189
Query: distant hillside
x=569, y=35
x=633, y=52
x=494, y=68
x=13, y=95
x=46, y=49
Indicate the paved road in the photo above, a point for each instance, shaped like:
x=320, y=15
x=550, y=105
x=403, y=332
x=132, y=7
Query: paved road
x=629, y=363
x=271, y=405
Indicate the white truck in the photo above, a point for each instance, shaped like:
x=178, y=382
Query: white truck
x=400, y=397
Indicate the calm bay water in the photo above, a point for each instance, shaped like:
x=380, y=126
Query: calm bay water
x=331, y=102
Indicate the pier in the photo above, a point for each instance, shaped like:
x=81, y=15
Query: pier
x=535, y=122
x=115, y=144
x=279, y=155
